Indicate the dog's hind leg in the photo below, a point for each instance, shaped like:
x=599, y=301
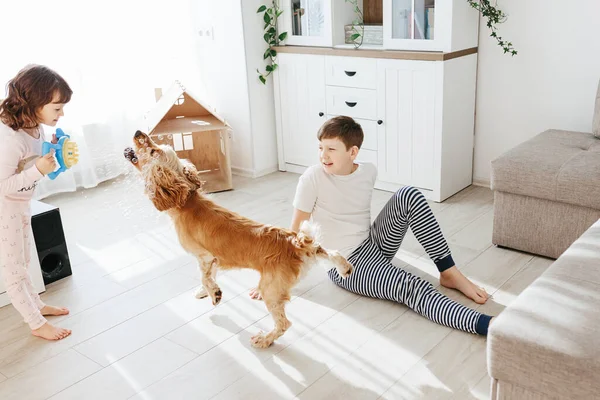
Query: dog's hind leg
x=275, y=299
x=208, y=267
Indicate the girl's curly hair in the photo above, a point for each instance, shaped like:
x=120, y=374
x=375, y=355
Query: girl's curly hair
x=29, y=91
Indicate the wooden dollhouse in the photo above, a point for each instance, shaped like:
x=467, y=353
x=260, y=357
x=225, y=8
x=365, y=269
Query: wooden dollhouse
x=195, y=131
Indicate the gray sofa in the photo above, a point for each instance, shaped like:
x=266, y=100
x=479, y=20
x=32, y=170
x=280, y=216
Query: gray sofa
x=547, y=190
x=546, y=343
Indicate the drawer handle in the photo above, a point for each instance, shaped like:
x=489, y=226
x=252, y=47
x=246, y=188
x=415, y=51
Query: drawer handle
x=350, y=103
x=350, y=73
x=379, y=122
x=321, y=114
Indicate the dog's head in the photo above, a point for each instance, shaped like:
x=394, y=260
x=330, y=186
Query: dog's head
x=169, y=180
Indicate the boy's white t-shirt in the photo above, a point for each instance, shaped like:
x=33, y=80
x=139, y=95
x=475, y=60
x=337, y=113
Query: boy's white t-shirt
x=18, y=173
x=339, y=204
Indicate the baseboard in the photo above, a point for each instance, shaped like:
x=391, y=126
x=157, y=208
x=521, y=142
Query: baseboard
x=266, y=171
x=245, y=172
x=482, y=182
x=250, y=173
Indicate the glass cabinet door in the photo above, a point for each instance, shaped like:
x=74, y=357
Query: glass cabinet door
x=411, y=24
x=307, y=22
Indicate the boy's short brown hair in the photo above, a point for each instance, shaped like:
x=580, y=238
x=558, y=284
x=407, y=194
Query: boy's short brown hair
x=344, y=128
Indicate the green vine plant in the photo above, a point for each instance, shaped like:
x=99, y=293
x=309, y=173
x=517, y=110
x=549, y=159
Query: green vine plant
x=271, y=36
x=494, y=16
x=358, y=25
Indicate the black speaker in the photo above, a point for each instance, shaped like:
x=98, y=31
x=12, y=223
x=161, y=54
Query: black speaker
x=50, y=242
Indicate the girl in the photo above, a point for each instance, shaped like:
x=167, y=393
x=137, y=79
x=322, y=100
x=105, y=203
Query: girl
x=35, y=96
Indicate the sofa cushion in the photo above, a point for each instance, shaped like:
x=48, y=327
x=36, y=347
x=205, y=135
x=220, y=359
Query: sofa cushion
x=547, y=339
x=596, y=121
x=555, y=165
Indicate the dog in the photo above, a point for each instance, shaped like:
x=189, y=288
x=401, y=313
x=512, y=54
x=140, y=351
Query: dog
x=222, y=239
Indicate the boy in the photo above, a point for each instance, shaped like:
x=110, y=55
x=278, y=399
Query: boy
x=337, y=195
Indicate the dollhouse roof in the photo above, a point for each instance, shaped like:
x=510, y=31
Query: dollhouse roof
x=179, y=107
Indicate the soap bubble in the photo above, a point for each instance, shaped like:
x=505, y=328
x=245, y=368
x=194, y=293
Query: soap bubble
x=160, y=137
x=170, y=136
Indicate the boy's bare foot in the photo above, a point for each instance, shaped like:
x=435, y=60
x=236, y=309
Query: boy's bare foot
x=52, y=310
x=255, y=294
x=452, y=278
x=51, y=332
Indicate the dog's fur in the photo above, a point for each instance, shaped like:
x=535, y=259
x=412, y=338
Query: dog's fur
x=221, y=239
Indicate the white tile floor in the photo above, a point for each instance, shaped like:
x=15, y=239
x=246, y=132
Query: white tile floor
x=138, y=331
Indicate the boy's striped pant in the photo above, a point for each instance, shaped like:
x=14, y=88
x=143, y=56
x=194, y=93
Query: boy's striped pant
x=375, y=276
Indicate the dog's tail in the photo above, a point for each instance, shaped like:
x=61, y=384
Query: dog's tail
x=309, y=236
x=310, y=229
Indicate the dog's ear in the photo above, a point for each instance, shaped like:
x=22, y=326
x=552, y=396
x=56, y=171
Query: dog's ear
x=165, y=188
x=191, y=173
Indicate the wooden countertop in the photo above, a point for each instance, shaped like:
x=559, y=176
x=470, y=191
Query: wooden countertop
x=376, y=53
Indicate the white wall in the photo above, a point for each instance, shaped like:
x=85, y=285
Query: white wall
x=262, y=108
x=221, y=77
x=551, y=83
x=226, y=78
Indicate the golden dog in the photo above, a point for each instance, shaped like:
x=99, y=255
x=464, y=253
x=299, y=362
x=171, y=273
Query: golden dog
x=221, y=239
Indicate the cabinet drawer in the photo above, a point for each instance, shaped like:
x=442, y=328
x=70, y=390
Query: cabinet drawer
x=369, y=156
x=355, y=103
x=351, y=72
x=369, y=128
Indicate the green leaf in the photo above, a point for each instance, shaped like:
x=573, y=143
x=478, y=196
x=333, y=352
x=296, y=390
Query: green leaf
x=267, y=18
x=267, y=37
x=283, y=36
x=355, y=36
x=272, y=31
x=275, y=66
x=261, y=8
x=273, y=53
x=262, y=79
x=269, y=68
x=279, y=13
x=267, y=54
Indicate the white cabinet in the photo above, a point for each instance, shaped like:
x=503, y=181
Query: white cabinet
x=417, y=116
x=406, y=102
x=300, y=104
x=425, y=25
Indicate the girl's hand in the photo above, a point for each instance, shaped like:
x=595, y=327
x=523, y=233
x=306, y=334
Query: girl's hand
x=54, y=139
x=47, y=163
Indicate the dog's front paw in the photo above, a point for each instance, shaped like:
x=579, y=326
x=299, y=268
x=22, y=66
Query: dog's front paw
x=345, y=270
x=261, y=341
x=201, y=293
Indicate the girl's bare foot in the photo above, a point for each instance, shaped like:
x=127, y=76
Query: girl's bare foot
x=51, y=332
x=52, y=310
x=452, y=278
x=255, y=294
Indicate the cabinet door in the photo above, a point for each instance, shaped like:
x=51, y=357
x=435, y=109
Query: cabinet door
x=307, y=22
x=405, y=139
x=417, y=24
x=302, y=106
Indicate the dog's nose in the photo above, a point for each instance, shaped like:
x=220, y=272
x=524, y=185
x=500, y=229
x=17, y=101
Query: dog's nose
x=129, y=154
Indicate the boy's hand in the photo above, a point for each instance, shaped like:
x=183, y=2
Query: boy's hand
x=47, y=163
x=54, y=139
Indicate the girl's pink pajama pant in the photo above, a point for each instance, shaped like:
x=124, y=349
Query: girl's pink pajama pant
x=15, y=255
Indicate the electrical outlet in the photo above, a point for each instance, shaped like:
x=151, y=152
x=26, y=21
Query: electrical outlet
x=207, y=33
